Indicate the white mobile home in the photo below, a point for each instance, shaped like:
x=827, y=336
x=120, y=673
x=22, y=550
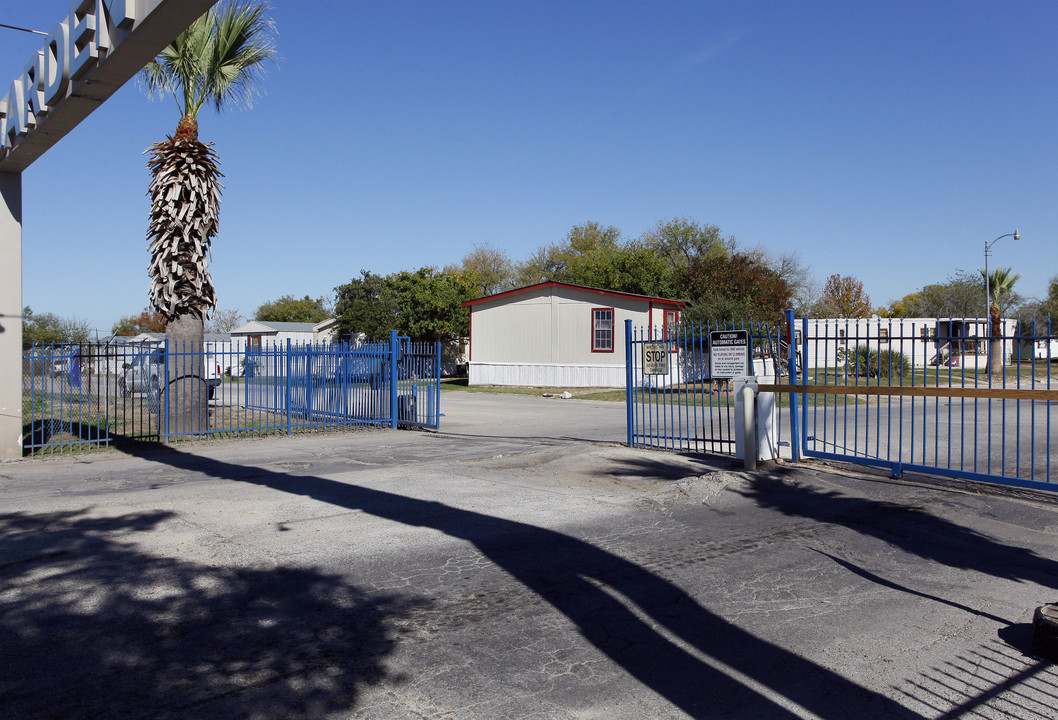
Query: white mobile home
x=261, y=335
x=1039, y=349
x=924, y=341
x=556, y=334
x=1046, y=349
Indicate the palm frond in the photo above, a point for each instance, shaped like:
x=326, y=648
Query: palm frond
x=1001, y=282
x=219, y=58
x=242, y=44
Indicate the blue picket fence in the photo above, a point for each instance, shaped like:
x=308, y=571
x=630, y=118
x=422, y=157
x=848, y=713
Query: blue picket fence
x=90, y=395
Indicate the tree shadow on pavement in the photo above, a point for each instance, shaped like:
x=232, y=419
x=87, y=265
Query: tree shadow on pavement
x=911, y=528
x=646, y=625
x=670, y=466
x=91, y=626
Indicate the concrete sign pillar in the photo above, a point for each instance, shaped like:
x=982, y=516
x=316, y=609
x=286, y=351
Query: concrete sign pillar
x=10, y=315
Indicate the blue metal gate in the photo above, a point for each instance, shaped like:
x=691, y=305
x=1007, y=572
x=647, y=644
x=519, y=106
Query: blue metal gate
x=83, y=396
x=687, y=409
x=395, y=384
x=950, y=397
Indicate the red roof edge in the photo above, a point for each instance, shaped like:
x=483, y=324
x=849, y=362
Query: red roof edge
x=551, y=283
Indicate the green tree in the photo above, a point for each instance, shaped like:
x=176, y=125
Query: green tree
x=903, y=307
x=218, y=59
x=680, y=241
x=364, y=305
x=148, y=321
x=960, y=296
x=49, y=328
x=1040, y=317
x=543, y=265
x=843, y=297
x=573, y=260
x=425, y=304
x=429, y=303
x=733, y=288
x=597, y=256
x=492, y=269
x=1001, y=291
x=291, y=309
x=791, y=268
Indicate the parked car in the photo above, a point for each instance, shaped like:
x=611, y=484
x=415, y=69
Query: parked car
x=360, y=369
x=371, y=370
x=211, y=371
x=146, y=373
x=143, y=373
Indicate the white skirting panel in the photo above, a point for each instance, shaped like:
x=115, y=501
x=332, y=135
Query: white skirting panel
x=546, y=375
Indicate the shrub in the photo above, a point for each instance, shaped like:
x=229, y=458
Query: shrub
x=892, y=363
x=864, y=361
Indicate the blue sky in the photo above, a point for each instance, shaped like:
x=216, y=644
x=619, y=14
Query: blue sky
x=885, y=140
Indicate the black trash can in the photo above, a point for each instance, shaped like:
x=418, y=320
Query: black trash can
x=405, y=409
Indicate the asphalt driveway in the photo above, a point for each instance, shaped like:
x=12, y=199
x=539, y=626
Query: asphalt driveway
x=516, y=564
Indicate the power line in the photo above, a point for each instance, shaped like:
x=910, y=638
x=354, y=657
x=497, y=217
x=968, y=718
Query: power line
x=15, y=27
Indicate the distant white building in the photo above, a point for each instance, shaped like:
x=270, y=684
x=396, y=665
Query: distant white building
x=924, y=341
x=1043, y=348
x=117, y=350
x=556, y=334
x=260, y=335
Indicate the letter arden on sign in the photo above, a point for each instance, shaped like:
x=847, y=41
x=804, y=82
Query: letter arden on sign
x=90, y=53
x=729, y=353
x=91, y=29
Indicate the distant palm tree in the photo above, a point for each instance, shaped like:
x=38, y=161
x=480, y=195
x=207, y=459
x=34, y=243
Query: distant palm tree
x=1001, y=289
x=1001, y=285
x=218, y=59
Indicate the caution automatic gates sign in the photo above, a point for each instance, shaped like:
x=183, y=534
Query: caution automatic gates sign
x=729, y=353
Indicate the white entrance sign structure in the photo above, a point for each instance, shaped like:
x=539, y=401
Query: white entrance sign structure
x=729, y=353
x=87, y=56
x=655, y=358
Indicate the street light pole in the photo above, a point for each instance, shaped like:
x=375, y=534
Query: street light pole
x=988, y=248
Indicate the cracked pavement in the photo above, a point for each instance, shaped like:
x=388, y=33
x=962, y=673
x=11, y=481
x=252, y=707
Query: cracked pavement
x=517, y=564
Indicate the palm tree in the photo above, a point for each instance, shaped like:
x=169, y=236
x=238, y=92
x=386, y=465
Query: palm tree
x=218, y=59
x=1001, y=289
x=1001, y=286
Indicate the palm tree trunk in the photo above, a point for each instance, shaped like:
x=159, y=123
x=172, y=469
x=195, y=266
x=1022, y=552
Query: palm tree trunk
x=995, y=343
x=187, y=392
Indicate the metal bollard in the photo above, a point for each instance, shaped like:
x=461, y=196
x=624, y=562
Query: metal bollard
x=749, y=428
